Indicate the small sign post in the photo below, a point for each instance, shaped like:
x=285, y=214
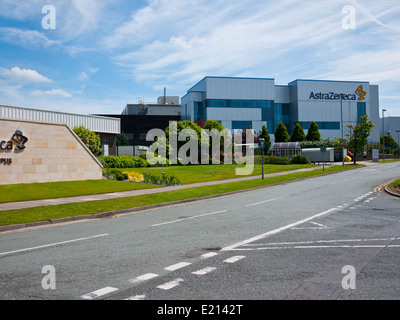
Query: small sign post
x=262, y=146
x=323, y=150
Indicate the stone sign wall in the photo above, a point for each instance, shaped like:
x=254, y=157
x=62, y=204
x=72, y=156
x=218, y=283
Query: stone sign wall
x=43, y=152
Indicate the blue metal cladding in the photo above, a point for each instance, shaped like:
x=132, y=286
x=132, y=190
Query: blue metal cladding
x=241, y=125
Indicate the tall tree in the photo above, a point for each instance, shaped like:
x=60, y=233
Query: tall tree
x=359, y=134
x=298, y=134
x=265, y=135
x=281, y=133
x=313, y=132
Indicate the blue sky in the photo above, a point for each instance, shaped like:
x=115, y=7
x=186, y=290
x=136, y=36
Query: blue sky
x=104, y=54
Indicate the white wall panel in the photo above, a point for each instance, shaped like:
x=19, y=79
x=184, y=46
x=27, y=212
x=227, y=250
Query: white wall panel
x=305, y=87
x=234, y=114
x=240, y=88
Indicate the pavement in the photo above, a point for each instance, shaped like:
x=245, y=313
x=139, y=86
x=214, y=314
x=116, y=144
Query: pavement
x=133, y=193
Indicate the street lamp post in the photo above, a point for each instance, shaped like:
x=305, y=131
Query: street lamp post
x=383, y=138
x=262, y=146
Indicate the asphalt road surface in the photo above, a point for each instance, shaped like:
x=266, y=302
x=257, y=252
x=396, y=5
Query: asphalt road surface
x=329, y=237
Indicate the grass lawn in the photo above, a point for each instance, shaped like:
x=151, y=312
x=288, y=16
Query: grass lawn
x=395, y=186
x=93, y=207
x=186, y=175
x=204, y=173
x=51, y=190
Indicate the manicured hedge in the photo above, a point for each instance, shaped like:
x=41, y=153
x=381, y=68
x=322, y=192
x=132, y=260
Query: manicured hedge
x=122, y=162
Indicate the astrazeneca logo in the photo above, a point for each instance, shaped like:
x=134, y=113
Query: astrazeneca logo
x=336, y=96
x=361, y=93
x=18, y=138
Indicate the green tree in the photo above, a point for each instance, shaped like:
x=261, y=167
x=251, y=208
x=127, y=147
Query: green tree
x=196, y=134
x=298, y=134
x=89, y=138
x=281, y=133
x=122, y=140
x=265, y=135
x=390, y=142
x=359, y=134
x=313, y=132
x=213, y=124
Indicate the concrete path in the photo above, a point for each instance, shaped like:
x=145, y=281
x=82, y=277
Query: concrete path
x=115, y=195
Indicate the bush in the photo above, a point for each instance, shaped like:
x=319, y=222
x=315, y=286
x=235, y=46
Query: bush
x=115, y=174
x=276, y=160
x=299, y=159
x=165, y=179
x=122, y=162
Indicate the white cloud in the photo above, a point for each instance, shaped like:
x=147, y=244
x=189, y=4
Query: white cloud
x=25, y=75
x=180, y=42
x=54, y=92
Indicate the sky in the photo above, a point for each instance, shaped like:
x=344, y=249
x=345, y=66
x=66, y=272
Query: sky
x=94, y=57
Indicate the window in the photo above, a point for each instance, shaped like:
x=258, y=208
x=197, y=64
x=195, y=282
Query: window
x=238, y=125
x=361, y=110
x=321, y=125
x=222, y=103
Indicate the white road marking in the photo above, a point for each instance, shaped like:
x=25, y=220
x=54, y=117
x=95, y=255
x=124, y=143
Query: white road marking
x=177, y=266
x=278, y=230
x=261, y=202
x=234, y=259
x=204, y=271
x=53, y=244
x=98, y=293
x=144, y=277
x=209, y=255
x=137, y=297
x=171, y=284
x=188, y=218
x=316, y=244
x=320, y=226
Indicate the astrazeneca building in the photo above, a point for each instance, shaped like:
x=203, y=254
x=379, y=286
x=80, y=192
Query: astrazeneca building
x=241, y=103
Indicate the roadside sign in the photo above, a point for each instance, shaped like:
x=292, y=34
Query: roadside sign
x=262, y=144
x=375, y=155
x=323, y=149
x=343, y=143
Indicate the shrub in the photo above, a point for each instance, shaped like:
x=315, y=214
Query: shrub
x=165, y=179
x=114, y=174
x=276, y=160
x=299, y=159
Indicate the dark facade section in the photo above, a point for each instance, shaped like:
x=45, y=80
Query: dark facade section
x=136, y=127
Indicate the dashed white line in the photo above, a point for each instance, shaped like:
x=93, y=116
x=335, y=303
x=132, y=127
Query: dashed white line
x=177, y=266
x=234, y=259
x=208, y=255
x=171, y=284
x=189, y=218
x=261, y=202
x=98, y=293
x=137, y=297
x=144, y=277
x=204, y=271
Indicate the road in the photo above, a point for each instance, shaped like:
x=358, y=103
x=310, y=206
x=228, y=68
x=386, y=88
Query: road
x=301, y=240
